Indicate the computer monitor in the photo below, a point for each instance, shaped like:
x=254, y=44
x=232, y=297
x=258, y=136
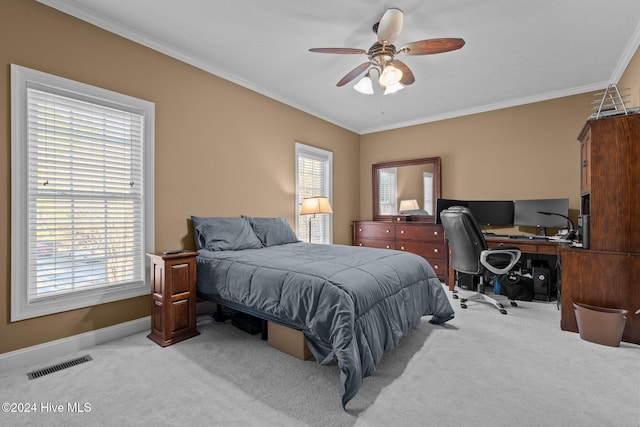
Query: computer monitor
x=525, y=213
x=492, y=212
x=442, y=204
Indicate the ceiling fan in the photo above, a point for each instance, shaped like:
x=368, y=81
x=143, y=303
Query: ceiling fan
x=393, y=74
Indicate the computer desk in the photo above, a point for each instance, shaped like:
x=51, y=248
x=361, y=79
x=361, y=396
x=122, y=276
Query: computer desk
x=526, y=246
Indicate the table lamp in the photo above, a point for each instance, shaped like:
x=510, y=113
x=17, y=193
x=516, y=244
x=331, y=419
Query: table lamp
x=408, y=205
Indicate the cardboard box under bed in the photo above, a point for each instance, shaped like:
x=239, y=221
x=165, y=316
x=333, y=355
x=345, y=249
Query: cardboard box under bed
x=288, y=340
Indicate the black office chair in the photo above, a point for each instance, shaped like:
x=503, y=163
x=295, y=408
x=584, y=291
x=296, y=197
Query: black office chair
x=470, y=254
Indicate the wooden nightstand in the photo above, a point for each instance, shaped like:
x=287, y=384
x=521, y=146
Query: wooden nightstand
x=173, y=297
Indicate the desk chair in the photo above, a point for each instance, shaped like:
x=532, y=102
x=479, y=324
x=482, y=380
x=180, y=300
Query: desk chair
x=470, y=254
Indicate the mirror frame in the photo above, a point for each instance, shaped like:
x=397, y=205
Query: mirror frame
x=436, y=185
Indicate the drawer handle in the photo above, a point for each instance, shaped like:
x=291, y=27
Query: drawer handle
x=435, y=233
x=360, y=229
x=435, y=266
x=402, y=248
x=436, y=250
x=360, y=244
x=388, y=246
x=401, y=231
x=387, y=231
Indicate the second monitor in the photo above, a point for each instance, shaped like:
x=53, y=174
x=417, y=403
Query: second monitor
x=492, y=212
x=485, y=212
x=527, y=213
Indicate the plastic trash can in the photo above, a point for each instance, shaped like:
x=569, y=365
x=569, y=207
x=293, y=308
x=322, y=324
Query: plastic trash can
x=600, y=325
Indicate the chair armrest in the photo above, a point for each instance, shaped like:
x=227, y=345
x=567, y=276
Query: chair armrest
x=513, y=255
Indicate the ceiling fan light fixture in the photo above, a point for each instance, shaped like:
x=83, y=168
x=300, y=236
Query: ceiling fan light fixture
x=364, y=85
x=390, y=76
x=393, y=89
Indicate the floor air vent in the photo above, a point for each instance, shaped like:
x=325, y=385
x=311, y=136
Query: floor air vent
x=60, y=366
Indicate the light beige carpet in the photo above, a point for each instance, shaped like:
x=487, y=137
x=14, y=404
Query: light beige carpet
x=481, y=369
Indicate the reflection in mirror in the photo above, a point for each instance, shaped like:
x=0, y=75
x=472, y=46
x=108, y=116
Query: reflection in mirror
x=405, y=183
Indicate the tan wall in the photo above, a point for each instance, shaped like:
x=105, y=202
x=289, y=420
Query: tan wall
x=220, y=149
x=522, y=152
x=631, y=80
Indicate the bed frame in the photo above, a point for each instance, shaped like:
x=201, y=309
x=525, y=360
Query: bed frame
x=265, y=317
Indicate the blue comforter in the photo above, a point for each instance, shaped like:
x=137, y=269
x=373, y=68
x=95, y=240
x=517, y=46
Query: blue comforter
x=351, y=303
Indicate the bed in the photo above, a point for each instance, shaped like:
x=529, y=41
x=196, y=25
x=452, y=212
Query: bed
x=351, y=303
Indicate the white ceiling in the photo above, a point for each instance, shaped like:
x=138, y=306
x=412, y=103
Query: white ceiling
x=516, y=52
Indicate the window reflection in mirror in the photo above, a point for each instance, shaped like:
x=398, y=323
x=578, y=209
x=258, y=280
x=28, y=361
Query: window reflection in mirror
x=412, y=180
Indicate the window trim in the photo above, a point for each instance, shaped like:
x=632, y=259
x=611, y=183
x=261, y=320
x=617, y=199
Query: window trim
x=327, y=155
x=21, y=78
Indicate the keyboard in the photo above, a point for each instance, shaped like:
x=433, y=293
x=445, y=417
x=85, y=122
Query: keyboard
x=523, y=237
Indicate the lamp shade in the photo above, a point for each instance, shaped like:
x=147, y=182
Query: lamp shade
x=390, y=76
x=315, y=205
x=364, y=85
x=409, y=205
x=393, y=89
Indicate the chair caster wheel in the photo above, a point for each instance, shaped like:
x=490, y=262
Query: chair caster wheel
x=503, y=311
x=462, y=300
x=455, y=296
x=514, y=304
x=463, y=305
x=500, y=305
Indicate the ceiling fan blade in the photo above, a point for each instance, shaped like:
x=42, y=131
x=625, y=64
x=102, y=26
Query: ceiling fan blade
x=390, y=26
x=407, y=75
x=353, y=73
x=431, y=46
x=342, y=50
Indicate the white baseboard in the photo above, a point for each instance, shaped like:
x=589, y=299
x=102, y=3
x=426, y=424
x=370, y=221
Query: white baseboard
x=53, y=349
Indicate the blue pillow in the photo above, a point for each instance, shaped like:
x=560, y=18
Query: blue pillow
x=223, y=234
x=273, y=231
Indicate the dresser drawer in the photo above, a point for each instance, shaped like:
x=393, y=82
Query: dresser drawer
x=427, y=249
x=375, y=243
x=431, y=233
x=370, y=230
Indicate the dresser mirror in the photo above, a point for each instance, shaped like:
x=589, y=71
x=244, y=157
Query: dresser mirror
x=406, y=180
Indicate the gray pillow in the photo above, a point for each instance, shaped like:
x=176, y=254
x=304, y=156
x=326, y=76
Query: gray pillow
x=272, y=231
x=224, y=234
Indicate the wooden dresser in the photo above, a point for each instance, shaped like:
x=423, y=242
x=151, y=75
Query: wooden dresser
x=606, y=274
x=421, y=238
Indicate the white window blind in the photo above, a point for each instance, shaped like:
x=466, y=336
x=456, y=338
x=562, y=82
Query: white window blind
x=85, y=195
x=427, y=178
x=85, y=209
x=313, y=178
x=387, y=197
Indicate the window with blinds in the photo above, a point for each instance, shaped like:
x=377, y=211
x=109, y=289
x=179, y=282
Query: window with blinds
x=80, y=158
x=313, y=178
x=387, y=197
x=427, y=184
